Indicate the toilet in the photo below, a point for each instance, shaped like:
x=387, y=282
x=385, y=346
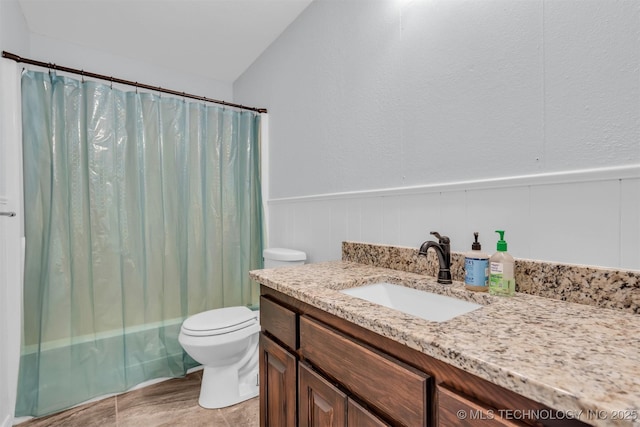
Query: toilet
x=225, y=342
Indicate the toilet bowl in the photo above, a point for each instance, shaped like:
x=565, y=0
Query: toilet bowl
x=225, y=342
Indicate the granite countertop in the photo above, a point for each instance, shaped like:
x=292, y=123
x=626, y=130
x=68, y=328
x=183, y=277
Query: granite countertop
x=576, y=358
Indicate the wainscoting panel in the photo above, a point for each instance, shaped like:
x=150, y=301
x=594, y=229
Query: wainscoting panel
x=577, y=223
x=593, y=220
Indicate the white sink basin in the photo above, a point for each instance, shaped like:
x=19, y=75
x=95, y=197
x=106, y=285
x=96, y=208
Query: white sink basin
x=429, y=306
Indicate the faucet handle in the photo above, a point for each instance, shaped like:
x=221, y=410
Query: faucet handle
x=441, y=239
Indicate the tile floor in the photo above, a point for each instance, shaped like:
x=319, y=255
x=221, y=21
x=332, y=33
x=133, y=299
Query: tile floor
x=169, y=403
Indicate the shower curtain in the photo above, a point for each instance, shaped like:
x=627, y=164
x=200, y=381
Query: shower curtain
x=140, y=210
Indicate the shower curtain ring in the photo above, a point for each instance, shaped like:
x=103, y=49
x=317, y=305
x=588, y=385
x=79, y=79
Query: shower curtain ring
x=111, y=78
x=136, y=85
x=82, y=75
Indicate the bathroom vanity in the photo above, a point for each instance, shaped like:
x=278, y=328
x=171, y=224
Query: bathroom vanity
x=330, y=359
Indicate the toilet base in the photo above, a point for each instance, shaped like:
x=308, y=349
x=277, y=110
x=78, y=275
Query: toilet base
x=225, y=387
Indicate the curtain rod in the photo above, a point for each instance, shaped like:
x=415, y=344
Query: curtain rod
x=112, y=79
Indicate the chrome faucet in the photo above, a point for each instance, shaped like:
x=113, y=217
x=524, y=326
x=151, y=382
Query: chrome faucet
x=443, y=250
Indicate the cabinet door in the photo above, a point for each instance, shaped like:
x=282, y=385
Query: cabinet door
x=357, y=416
x=277, y=385
x=320, y=403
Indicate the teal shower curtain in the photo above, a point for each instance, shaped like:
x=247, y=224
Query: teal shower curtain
x=140, y=210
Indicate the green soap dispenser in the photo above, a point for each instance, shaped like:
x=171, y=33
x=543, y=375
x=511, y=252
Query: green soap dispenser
x=502, y=279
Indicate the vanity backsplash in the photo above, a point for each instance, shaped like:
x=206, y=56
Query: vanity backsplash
x=597, y=286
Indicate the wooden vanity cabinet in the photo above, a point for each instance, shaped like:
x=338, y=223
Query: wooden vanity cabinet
x=292, y=393
x=320, y=370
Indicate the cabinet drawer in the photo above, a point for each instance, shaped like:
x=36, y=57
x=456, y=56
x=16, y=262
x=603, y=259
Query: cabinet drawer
x=459, y=410
x=392, y=387
x=279, y=322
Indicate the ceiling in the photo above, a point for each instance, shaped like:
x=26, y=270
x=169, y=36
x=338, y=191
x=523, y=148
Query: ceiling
x=217, y=39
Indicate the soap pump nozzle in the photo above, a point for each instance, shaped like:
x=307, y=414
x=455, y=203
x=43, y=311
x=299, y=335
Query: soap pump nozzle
x=475, y=246
x=502, y=244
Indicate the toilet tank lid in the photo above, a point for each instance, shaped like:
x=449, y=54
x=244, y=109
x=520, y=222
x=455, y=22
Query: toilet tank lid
x=282, y=254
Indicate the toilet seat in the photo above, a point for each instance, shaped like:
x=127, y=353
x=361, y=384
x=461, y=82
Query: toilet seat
x=219, y=321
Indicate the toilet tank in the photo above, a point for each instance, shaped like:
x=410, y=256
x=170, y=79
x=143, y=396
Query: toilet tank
x=278, y=257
